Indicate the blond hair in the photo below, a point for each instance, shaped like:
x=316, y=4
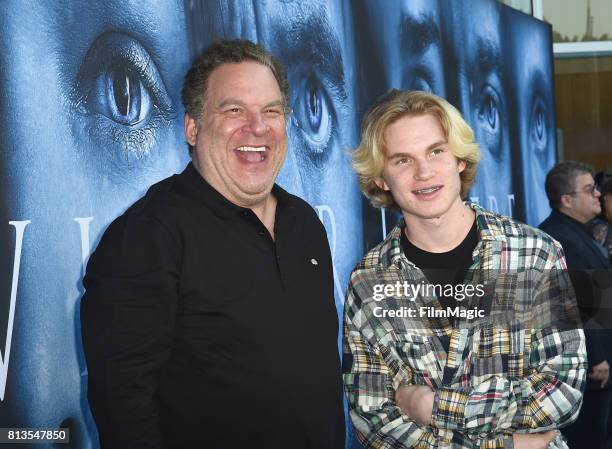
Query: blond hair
x=369, y=157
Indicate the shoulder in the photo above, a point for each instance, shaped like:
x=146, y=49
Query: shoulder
x=145, y=225
x=502, y=226
x=536, y=247
x=161, y=201
x=304, y=212
x=377, y=261
x=600, y=230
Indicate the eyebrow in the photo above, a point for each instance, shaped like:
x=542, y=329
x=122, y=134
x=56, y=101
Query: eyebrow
x=418, y=33
x=235, y=101
x=489, y=56
x=430, y=147
x=316, y=44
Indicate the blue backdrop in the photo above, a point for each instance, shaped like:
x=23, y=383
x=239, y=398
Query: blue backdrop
x=91, y=117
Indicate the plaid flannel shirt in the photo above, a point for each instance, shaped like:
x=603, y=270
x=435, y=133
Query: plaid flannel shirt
x=495, y=380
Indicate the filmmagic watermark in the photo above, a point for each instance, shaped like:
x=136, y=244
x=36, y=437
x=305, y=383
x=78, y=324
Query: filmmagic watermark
x=411, y=291
x=430, y=312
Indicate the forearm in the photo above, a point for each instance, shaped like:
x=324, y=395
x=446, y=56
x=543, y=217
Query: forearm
x=549, y=396
x=124, y=357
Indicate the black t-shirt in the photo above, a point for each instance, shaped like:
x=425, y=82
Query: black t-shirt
x=444, y=268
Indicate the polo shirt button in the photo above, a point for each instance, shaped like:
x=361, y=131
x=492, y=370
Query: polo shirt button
x=245, y=213
x=262, y=232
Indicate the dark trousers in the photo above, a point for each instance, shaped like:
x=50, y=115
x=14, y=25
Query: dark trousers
x=590, y=430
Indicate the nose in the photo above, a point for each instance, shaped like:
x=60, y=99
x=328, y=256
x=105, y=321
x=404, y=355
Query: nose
x=424, y=170
x=256, y=123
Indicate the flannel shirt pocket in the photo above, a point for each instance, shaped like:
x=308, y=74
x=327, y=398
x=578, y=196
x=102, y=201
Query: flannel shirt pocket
x=498, y=351
x=418, y=358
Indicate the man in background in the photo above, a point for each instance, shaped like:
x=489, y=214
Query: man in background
x=574, y=198
x=208, y=318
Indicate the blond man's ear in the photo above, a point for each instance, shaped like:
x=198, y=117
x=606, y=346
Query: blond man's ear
x=380, y=182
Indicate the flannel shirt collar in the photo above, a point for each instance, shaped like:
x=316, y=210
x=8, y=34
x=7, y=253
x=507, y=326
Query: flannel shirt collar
x=491, y=229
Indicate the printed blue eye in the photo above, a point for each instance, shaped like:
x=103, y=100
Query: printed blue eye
x=314, y=116
x=539, y=124
x=489, y=121
x=419, y=78
x=122, y=97
x=421, y=84
x=314, y=106
x=317, y=112
x=488, y=112
x=538, y=134
x=491, y=112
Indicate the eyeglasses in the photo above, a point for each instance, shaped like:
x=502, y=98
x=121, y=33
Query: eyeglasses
x=590, y=190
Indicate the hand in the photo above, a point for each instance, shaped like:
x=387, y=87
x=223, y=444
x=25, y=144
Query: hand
x=416, y=401
x=601, y=371
x=533, y=440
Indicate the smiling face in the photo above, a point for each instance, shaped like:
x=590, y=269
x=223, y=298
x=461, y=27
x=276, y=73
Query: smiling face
x=241, y=143
x=420, y=170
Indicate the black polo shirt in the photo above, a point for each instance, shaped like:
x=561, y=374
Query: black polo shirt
x=201, y=331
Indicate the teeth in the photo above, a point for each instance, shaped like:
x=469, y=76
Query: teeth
x=433, y=189
x=252, y=149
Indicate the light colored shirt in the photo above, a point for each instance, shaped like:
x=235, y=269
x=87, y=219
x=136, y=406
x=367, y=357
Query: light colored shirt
x=522, y=368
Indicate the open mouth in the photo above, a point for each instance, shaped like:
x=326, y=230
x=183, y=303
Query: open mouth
x=427, y=191
x=251, y=154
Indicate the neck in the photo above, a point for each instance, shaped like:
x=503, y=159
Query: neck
x=572, y=214
x=264, y=205
x=440, y=234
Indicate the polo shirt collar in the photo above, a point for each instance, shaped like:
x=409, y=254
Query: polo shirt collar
x=199, y=188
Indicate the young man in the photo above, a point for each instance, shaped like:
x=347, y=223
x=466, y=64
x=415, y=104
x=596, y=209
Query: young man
x=420, y=370
x=202, y=299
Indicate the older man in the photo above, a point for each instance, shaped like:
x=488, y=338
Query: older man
x=574, y=198
x=438, y=367
x=202, y=299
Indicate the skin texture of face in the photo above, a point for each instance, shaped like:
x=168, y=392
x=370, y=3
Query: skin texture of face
x=91, y=117
x=534, y=110
x=410, y=46
x=582, y=205
x=241, y=143
x=312, y=39
x=420, y=170
x=481, y=94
